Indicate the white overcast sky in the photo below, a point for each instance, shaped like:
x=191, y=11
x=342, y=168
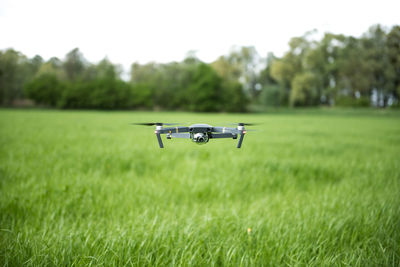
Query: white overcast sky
x=164, y=31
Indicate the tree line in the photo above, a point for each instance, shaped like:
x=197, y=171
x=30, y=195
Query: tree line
x=335, y=70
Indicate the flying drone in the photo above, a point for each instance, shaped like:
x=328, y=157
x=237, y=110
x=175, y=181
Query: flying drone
x=198, y=133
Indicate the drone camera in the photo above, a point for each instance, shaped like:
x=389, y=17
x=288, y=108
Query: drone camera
x=200, y=138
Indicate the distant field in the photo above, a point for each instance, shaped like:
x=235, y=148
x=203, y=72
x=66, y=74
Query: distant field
x=313, y=188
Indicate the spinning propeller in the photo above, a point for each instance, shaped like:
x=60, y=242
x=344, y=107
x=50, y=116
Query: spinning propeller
x=153, y=123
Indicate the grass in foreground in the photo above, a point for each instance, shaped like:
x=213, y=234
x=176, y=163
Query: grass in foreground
x=86, y=188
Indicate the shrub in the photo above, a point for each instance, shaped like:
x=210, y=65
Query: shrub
x=304, y=90
x=45, y=89
x=348, y=101
x=271, y=95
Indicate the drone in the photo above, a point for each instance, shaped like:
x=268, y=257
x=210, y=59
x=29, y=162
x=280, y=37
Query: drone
x=198, y=133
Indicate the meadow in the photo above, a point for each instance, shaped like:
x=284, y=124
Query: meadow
x=310, y=188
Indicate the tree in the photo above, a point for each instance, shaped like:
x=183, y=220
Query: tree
x=74, y=65
x=393, y=50
x=205, y=92
x=285, y=69
x=382, y=75
x=35, y=64
x=322, y=60
x=246, y=61
x=270, y=90
x=226, y=70
x=14, y=72
x=265, y=78
x=304, y=90
x=168, y=83
x=52, y=66
x=271, y=95
x=45, y=89
x=106, y=69
x=233, y=96
x=141, y=96
x=354, y=73
x=108, y=93
x=77, y=95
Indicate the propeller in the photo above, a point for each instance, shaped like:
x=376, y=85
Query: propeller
x=245, y=124
x=153, y=123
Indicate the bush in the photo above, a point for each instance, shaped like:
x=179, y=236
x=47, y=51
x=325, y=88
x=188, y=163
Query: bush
x=205, y=92
x=348, y=101
x=103, y=93
x=45, y=89
x=142, y=96
x=271, y=96
x=109, y=94
x=76, y=95
x=234, y=99
x=304, y=90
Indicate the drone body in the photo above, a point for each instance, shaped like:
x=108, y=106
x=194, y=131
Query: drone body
x=198, y=133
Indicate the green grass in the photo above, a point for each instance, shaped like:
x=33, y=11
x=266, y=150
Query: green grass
x=317, y=188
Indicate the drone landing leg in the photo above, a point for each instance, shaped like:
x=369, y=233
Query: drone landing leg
x=240, y=140
x=159, y=140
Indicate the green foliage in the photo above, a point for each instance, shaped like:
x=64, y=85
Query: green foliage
x=304, y=90
x=265, y=78
x=142, y=96
x=103, y=93
x=244, y=62
x=205, y=91
x=336, y=69
x=233, y=97
x=52, y=67
x=109, y=94
x=270, y=95
x=76, y=96
x=161, y=85
x=393, y=44
x=15, y=70
x=45, y=89
x=348, y=101
x=86, y=188
x=173, y=82
x=74, y=65
x=342, y=66
x=190, y=85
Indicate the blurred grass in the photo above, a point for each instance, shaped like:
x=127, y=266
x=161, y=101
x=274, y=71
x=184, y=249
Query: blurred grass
x=317, y=187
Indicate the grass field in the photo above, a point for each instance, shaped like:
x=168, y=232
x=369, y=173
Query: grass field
x=311, y=188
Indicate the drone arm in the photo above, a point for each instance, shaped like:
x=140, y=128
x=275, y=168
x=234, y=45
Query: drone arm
x=160, y=143
x=180, y=135
x=222, y=135
x=174, y=130
x=224, y=130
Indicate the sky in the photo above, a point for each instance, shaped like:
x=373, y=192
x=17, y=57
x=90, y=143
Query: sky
x=165, y=31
